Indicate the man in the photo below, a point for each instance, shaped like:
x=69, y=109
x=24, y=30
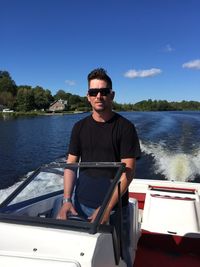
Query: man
x=104, y=136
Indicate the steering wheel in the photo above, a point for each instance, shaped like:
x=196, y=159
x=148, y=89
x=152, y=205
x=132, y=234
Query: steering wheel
x=76, y=218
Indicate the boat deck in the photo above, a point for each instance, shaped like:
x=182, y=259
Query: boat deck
x=155, y=250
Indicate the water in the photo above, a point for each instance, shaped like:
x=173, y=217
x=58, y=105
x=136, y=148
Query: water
x=169, y=141
x=170, y=145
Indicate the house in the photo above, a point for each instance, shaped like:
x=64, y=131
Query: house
x=58, y=105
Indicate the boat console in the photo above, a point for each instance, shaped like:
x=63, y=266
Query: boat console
x=28, y=216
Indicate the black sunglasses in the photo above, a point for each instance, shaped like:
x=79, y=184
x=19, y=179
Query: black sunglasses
x=102, y=91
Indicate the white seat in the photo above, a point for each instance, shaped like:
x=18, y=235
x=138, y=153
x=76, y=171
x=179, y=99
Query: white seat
x=171, y=212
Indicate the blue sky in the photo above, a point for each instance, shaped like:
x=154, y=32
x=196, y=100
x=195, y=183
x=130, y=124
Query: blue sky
x=150, y=48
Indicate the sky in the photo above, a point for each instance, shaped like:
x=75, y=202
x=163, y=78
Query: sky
x=150, y=48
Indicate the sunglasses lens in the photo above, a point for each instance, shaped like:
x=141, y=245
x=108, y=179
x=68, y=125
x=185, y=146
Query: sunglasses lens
x=105, y=91
x=102, y=91
x=92, y=92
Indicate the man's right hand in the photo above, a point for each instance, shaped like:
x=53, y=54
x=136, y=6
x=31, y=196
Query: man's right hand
x=65, y=209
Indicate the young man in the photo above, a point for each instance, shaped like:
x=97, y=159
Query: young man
x=104, y=136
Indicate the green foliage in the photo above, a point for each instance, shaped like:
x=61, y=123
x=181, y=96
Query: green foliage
x=163, y=105
x=42, y=98
x=61, y=94
x=7, y=99
x=118, y=107
x=27, y=99
x=8, y=90
x=7, y=84
x=74, y=102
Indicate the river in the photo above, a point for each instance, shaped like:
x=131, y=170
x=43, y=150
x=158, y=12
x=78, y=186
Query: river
x=169, y=141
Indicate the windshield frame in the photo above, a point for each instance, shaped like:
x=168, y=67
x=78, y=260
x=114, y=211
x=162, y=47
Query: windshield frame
x=92, y=228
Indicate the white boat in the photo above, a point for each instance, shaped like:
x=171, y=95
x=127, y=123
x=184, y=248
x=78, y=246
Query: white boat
x=165, y=224
x=7, y=110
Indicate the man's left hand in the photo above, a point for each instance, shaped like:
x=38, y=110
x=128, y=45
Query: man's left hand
x=105, y=217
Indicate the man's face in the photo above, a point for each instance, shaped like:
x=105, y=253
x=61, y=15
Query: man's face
x=100, y=100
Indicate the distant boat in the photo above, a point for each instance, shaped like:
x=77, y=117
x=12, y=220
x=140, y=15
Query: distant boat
x=7, y=110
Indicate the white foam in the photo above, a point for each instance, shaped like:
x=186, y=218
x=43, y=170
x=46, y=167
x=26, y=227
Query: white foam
x=44, y=183
x=175, y=166
x=4, y=193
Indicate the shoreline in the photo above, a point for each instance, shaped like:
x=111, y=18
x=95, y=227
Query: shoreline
x=21, y=114
x=16, y=114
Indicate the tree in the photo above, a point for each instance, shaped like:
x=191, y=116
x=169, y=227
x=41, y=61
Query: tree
x=7, y=99
x=42, y=97
x=8, y=90
x=7, y=84
x=116, y=106
x=48, y=95
x=61, y=94
x=25, y=99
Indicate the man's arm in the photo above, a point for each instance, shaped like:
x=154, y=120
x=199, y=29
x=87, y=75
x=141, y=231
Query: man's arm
x=69, y=180
x=125, y=179
x=69, y=177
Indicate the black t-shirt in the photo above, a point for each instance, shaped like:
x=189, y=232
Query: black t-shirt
x=108, y=141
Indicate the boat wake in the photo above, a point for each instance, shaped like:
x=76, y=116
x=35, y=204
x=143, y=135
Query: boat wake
x=175, y=166
x=45, y=182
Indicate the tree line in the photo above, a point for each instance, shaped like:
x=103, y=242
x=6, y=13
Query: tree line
x=159, y=105
x=26, y=98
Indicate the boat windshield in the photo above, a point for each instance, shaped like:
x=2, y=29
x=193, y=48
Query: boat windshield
x=46, y=180
x=41, y=194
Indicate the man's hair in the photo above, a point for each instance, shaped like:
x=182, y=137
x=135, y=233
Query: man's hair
x=100, y=74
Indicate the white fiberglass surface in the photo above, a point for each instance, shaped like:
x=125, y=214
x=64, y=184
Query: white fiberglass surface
x=171, y=213
x=7, y=261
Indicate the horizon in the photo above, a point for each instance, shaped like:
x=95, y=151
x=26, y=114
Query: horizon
x=150, y=49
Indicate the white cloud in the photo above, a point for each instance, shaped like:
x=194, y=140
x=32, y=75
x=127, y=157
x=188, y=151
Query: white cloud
x=142, y=73
x=70, y=82
x=193, y=64
x=168, y=48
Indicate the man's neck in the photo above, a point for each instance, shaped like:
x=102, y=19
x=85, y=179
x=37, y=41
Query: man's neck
x=102, y=116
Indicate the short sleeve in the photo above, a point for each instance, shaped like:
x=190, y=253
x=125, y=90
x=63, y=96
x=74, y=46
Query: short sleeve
x=74, y=145
x=129, y=143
